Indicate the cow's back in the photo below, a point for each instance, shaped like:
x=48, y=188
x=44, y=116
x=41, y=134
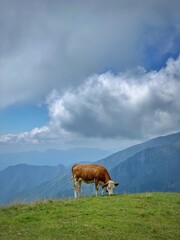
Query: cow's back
x=90, y=172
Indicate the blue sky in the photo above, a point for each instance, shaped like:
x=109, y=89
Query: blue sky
x=19, y=118
x=100, y=74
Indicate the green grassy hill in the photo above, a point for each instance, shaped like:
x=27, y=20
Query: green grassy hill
x=128, y=216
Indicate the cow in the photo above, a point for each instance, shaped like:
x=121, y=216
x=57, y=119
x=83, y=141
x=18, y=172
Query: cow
x=90, y=173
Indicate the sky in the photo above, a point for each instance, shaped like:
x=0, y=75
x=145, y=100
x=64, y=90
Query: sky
x=97, y=74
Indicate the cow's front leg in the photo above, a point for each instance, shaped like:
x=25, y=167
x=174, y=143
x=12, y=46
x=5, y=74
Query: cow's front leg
x=102, y=191
x=75, y=193
x=79, y=188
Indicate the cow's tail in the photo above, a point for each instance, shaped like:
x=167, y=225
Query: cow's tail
x=70, y=179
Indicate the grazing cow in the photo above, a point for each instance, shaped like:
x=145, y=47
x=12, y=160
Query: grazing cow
x=89, y=173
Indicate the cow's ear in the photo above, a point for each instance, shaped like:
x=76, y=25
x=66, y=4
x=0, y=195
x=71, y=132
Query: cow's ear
x=105, y=184
x=116, y=184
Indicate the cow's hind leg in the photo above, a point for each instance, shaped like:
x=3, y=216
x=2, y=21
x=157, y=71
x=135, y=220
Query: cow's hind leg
x=75, y=193
x=79, y=188
x=96, y=187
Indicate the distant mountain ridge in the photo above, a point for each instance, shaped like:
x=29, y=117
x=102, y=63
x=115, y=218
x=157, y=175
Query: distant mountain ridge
x=52, y=157
x=150, y=166
x=130, y=181
x=153, y=169
x=118, y=157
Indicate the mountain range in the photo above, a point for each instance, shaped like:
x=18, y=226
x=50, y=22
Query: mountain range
x=52, y=157
x=150, y=166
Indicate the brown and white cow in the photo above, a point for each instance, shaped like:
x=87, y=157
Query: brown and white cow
x=89, y=173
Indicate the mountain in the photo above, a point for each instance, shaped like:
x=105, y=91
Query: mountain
x=52, y=157
x=154, y=169
x=21, y=177
x=118, y=157
x=150, y=166
x=48, y=190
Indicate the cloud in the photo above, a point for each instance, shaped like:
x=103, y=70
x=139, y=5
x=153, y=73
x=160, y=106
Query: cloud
x=35, y=136
x=131, y=105
x=53, y=44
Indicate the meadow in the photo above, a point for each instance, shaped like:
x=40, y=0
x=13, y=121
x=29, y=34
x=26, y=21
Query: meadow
x=126, y=216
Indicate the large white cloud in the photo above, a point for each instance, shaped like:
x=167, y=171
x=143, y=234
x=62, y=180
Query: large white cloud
x=131, y=105
x=56, y=44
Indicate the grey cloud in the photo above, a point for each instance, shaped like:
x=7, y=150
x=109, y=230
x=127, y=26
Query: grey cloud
x=106, y=108
x=57, y=44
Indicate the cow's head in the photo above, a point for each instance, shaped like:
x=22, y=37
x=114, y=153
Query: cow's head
x=110, y=185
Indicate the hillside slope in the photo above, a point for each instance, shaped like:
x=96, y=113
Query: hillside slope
x=153, y=169
x=118, y=157
x=22, y=177
x=140, y=216
x=53, y=188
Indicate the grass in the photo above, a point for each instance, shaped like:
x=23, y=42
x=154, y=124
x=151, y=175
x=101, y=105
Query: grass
x=129, y=216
